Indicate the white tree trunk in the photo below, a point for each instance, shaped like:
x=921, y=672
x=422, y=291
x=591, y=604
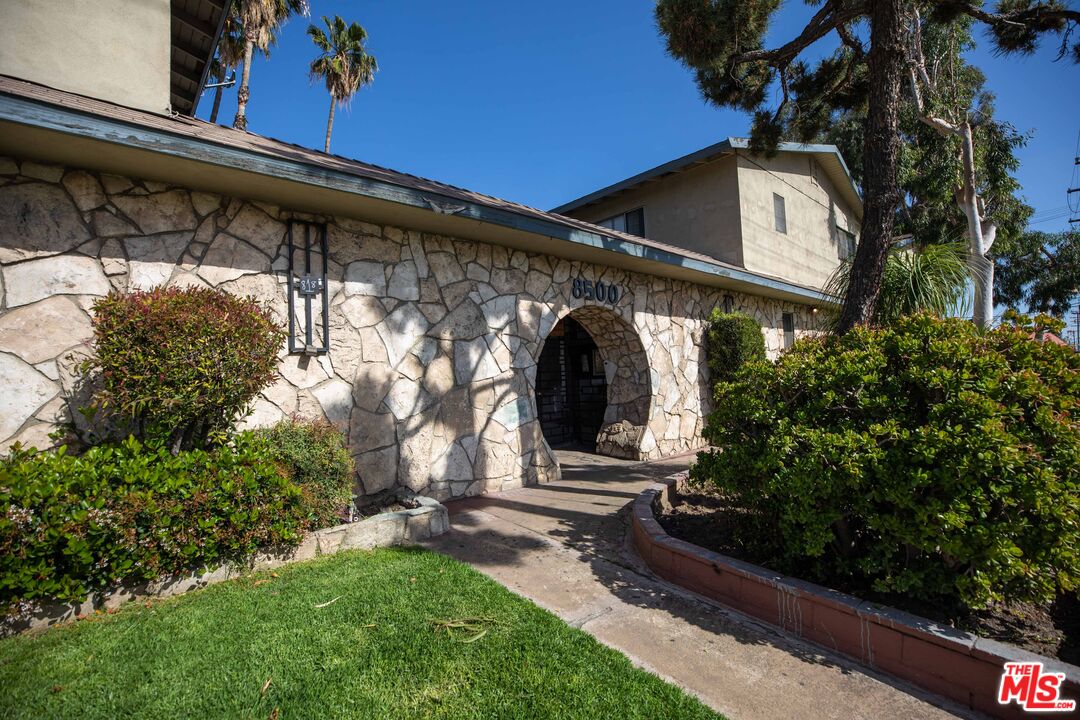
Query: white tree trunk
x=982, y=269
x=981, y=231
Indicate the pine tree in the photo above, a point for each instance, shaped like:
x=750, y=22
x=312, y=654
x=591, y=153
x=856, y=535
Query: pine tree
x=722, y=41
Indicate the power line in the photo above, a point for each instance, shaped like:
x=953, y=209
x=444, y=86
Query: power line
x=1073, y=192
x=1039, y=219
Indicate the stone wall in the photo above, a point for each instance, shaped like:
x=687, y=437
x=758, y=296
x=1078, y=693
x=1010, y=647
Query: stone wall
x=434, y=340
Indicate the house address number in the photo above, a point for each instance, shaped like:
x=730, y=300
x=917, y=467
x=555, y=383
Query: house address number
x=599, y=290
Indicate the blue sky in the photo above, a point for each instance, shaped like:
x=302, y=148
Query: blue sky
x=543, y=102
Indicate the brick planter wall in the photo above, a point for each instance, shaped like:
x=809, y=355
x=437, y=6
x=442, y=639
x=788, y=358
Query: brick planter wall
x=955, y=664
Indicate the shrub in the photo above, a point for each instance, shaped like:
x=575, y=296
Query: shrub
x=926, y=458
x=314, y=455
x=181, y=364
x=734, y=339
x=74, y=524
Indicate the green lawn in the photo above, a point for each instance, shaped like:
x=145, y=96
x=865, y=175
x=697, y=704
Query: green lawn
x=377, y=651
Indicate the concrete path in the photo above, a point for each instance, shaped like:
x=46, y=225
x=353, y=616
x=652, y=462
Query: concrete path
x=565, y=546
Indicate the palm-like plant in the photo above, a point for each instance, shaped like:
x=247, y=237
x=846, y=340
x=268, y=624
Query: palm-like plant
x=230, y=53
x=932, y=278
x=343, y=64
x=260, y=20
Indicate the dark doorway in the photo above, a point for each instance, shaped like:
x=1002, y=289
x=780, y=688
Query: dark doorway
x=571, y=389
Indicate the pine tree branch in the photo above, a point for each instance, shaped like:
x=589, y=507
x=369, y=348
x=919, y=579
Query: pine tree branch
x=850, y=40
x=1019, y=18
x=831, y=16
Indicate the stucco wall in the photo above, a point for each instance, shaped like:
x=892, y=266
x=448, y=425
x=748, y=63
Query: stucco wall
x=116, y=50
x=697, y=209
x=725, y=209
x=434, y=340
x=808, y=253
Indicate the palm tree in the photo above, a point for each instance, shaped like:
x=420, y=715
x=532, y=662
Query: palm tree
x=933, y=278
x=260, y=20
x=230, y=53
x=343, y=64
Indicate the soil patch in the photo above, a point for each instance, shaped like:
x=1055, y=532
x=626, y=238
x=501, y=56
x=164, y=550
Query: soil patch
x=386, y=505
x=710, y=521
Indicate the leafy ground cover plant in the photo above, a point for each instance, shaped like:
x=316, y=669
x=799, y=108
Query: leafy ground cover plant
x=314, y=455
x=181, y=364
x=926, y=458
x=132, y=511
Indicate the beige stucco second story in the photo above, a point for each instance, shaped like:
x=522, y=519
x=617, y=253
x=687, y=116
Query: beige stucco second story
x=793, y=216
x=146, y=54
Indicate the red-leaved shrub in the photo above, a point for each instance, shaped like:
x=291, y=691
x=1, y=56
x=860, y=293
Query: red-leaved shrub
x=181, y=365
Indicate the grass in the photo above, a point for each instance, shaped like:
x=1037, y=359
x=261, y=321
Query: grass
x=410, y=634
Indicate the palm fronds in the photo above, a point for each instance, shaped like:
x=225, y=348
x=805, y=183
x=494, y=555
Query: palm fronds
x=932, y=278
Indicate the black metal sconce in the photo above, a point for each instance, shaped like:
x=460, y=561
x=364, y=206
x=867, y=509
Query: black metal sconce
x=729, y=304
x=309, y=286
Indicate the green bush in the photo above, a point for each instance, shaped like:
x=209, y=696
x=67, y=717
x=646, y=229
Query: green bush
x=926, y=458
x=74, y=524
x=313, y=454
x=181, y=364
x=734, y=339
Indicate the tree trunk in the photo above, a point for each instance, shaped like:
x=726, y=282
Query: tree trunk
x=242, y=95
x=330, y=123
x=881, y=151
x=982, y=269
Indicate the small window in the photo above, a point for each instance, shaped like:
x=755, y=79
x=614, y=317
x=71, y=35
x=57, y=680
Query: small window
x=779, y=213
x=845, y=248
x=789, y=330
x=632, y=222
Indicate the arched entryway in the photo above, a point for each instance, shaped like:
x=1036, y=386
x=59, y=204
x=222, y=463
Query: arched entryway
x=592, y=384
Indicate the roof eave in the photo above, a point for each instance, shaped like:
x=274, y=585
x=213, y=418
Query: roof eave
x=709, y=153
x=677, y=165
x=210, y=60
x=59, y=119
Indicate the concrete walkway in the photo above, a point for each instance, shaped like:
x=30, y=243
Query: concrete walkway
x=565, y=546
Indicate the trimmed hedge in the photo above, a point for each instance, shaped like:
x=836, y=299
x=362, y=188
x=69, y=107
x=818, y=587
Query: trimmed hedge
x=134, y=512
x=734, y=339
x=926, y=458
x=181, y=365
x=314, y=455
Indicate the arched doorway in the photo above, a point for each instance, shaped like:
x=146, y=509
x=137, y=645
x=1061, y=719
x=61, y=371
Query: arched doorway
x=592, y=384
x=571, y=387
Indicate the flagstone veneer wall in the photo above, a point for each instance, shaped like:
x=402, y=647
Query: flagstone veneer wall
x=434, y=340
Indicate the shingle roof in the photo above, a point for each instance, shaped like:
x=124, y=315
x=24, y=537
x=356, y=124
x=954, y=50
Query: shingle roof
x=227, y=137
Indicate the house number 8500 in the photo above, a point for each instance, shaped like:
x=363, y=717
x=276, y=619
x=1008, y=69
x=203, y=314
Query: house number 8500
x=598, y=290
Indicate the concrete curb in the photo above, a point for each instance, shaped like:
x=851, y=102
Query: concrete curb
x=403, y=527
x=958, y=665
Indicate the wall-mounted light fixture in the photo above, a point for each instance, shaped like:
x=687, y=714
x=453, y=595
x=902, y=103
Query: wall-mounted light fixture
x=729, y=304
x=310, y=333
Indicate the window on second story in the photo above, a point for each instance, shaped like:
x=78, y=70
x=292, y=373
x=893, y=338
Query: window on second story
x=632, y=222
x=779, y=213
x=789, y=330
x=845, y=248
